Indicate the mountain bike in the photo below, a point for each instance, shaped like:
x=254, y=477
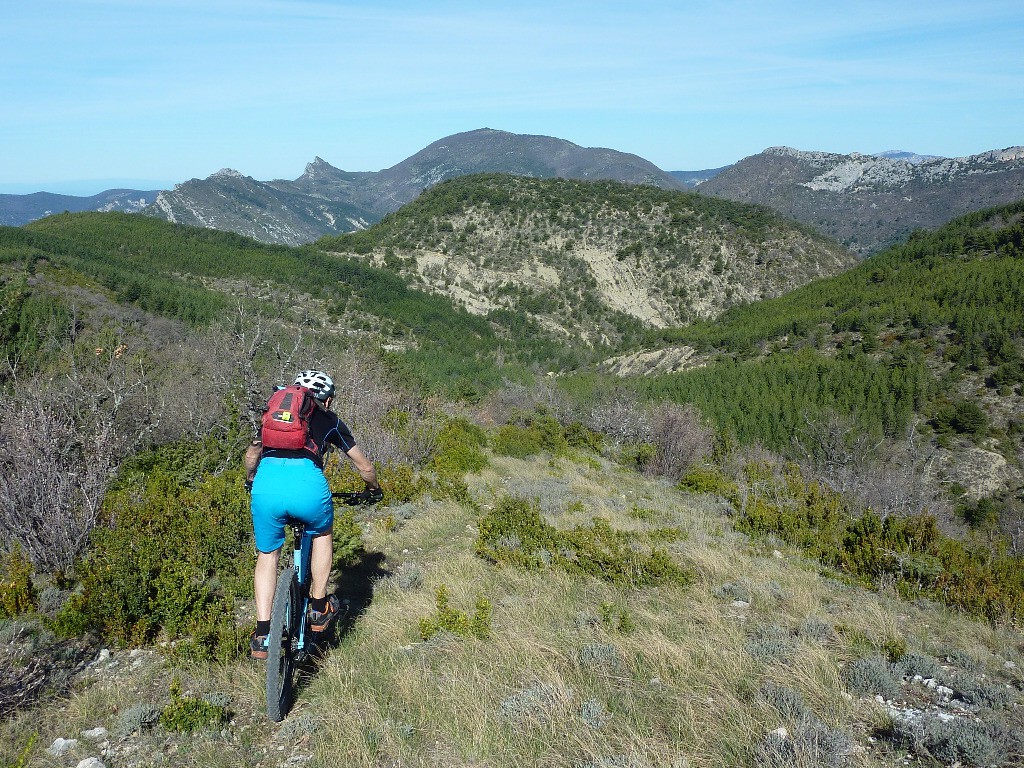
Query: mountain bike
x=291, y=638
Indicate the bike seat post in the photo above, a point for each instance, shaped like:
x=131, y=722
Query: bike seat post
x=303, y=545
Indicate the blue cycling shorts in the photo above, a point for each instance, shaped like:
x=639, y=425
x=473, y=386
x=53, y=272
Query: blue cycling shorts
x=289, y=488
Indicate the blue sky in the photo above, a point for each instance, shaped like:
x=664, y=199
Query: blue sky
x=102, y=93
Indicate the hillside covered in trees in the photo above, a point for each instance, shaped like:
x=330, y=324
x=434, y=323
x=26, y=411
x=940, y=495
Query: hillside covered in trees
x=591, y=262
x=927, y=337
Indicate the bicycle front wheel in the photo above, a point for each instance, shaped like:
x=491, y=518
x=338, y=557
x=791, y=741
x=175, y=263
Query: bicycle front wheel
x=283, y=631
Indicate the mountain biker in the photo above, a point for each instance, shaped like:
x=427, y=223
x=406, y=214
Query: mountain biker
x=291, y=483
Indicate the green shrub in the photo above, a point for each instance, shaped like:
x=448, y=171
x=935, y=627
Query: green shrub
x=175, y=555
x=513, y=532
x=448, y=619
x=911, y=551
x=895, y=648
x=579, y=436
x=21, y=761
x=705, y=479
x=17, y=594
x=401, y=482
x=984, y=513
x=459, y=449
x=549, y=431
x=71, y=620
x=348, y=537
x=516, y=441
x=539, y=431
x=615, y=618
x=638, y=456
x=187, y=713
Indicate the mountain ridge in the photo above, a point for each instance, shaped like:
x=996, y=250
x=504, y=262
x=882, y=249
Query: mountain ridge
x=16, y=210
x=326, y=200
x=865, y=201
x=869, y=202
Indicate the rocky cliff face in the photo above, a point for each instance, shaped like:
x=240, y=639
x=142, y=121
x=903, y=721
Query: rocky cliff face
x=869, y=202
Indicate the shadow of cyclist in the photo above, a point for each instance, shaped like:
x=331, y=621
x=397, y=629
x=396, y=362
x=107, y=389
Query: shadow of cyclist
x=355, y=591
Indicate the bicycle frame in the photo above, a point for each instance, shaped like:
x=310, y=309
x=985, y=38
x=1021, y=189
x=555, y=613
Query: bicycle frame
x=302, y=543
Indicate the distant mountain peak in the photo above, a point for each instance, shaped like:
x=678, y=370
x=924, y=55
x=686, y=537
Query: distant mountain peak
x=318, y=165
x=230, y=173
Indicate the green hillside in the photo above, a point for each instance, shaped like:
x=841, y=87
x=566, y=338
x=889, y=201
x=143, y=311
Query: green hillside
x=592, y=262
x=965, y=277
x=198, y=275
x=933, y=328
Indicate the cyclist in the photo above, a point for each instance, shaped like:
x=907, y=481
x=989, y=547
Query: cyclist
x=291, y=483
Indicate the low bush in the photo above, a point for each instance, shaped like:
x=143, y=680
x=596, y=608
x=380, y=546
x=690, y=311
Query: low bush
x=616, y=619
x=448, y=619
x=514, y=533
x=909, y=551
x=953, y=742
x=530, y=433
x=187, y=713
x=459, y=449
x=516, y=441
x=401, y=482
x=704, y=479
x=872, y=676
x=137, y=718
x=172, y=558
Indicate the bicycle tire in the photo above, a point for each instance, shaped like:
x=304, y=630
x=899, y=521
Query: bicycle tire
x=283, y=629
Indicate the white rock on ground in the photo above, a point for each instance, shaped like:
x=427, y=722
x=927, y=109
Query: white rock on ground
x=62, y=746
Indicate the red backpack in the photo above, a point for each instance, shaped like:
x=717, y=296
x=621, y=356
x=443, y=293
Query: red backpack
x=286, y=419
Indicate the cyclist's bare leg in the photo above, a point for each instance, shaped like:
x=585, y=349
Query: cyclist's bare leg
x=320, y=557
x=265, y=581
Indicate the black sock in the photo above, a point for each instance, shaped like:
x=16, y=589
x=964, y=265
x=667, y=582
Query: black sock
x=318, y=604
x=262, y=628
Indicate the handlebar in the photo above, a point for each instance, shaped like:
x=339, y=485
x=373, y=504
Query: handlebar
x=354, y=499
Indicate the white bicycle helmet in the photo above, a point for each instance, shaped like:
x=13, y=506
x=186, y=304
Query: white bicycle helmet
x=317, y=382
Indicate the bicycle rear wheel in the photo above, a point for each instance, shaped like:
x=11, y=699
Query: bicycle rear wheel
x=283, y=630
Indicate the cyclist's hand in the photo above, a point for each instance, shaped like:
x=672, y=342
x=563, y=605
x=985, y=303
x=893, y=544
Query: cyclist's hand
x=371, y=496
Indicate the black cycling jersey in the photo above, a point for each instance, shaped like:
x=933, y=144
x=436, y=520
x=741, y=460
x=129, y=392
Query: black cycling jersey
x=325, y=429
